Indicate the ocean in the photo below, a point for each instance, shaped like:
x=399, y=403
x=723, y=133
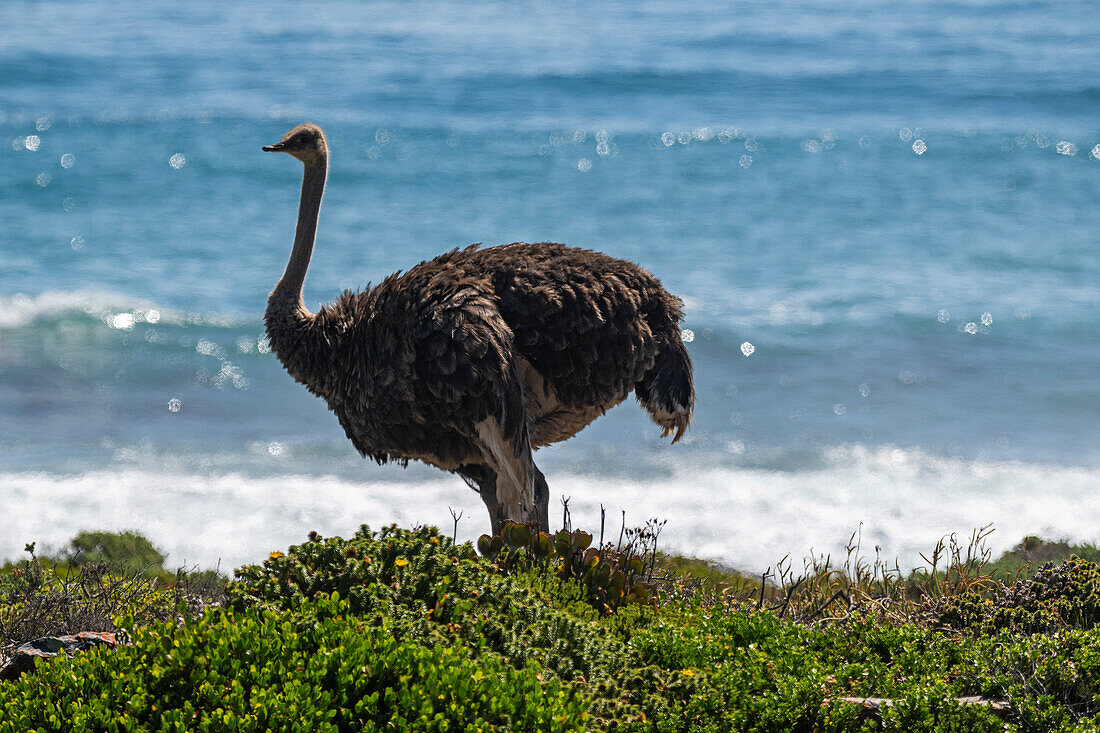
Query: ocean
x=882, y=218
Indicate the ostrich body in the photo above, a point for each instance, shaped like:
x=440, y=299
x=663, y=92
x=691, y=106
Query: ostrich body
x=472, y=360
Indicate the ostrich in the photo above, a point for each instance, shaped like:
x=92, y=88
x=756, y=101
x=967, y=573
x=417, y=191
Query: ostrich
x=472, y=360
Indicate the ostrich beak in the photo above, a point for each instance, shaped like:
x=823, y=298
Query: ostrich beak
x=276, y=148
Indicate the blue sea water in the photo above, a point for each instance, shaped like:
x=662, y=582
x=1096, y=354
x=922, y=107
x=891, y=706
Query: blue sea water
x=882, y=217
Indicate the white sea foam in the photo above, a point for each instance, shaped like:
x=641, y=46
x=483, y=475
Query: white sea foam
x=21, y=310
x=231, y=519
x=905, y=500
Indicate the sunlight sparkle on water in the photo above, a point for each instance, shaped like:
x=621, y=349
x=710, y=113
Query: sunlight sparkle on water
x=42, y=180
x=987, y=319
x=42, y=124
x=605, y=145
x=687, y=335
x=68, y=160
x=745, y=160
x=584, y=165
x=905, y=134
x=174, y=404
x=1066, y=148
x=152, y=315
x=123, y=321
x=668, y=138
x=77, y=243
x=907, y=377
x=747, y=349
x=31, y=142
x=177, y=161
x=943, y=316
x=1041, y=141
x=919, y=147
x=206, y=347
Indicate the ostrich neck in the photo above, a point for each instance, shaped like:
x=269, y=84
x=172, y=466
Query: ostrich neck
x=300, y=338
x=289, y=289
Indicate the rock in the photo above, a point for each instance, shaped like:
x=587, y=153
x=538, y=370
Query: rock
x=24, y=658
x=872, y=706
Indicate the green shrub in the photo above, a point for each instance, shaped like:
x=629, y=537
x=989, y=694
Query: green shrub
x=318, y=667
x=1032, y=552
x=40, y=598
x=674, y=667
x=35, y=601
x=710, y=670
x=1067, y=596
x=611, y=579
x=430, y=590
x=128, y=552
x=448, y=623
x=1052, y=681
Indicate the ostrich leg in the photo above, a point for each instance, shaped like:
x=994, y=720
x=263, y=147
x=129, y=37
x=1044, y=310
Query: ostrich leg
x=542, y=501
x=484, y=481
x=488, y=490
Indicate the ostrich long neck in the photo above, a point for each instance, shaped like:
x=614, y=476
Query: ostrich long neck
x=313, y=188
x=297, y=336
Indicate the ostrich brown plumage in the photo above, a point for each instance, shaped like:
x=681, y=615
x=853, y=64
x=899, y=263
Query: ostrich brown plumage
x=472, y=360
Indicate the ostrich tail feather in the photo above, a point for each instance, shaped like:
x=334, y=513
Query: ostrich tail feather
x=667, y=390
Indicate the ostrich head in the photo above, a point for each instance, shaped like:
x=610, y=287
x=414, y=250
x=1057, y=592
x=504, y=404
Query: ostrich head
x=305, y=142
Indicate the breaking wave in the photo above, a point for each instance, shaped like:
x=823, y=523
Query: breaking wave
x=902, y=501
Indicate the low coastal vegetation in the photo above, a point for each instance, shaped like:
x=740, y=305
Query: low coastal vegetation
x=406, y=630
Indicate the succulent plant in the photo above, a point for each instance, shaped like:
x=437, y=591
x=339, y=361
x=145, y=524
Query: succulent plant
x=611, y=578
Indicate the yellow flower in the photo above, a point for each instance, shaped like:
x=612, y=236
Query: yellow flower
x=276, y=555
x=688, y=672
x=401, y=563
